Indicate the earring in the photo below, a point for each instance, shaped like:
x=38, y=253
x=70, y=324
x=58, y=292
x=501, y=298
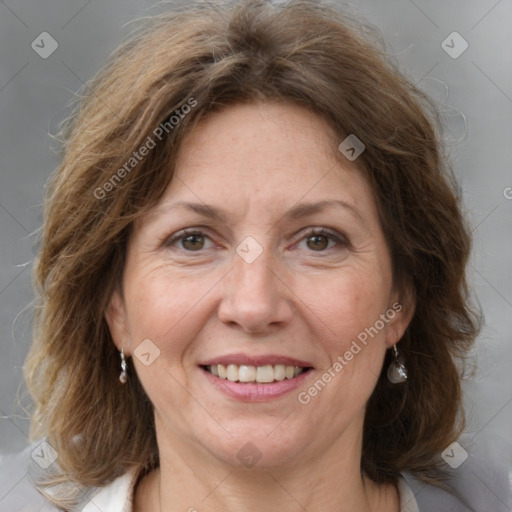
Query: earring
x=124, y=376
x=397, y=372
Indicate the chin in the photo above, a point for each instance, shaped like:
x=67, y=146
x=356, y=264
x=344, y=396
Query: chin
x=258, y=445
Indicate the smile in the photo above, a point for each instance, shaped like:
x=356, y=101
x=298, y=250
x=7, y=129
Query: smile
x=256, y=377
x=261, y=374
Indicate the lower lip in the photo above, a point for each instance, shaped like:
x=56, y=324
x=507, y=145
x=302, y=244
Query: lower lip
x=256, y=392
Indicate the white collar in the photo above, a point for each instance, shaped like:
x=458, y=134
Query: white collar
x=115, y=497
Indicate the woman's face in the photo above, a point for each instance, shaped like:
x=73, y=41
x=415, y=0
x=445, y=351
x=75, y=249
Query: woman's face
x=264, y=253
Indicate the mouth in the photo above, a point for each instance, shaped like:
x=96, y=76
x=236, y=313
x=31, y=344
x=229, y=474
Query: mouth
x=256, y=378
x=247, y=374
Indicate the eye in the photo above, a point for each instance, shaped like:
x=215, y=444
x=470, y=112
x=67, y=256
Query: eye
x=317, y=242
x=320, y=240
x=191, y=241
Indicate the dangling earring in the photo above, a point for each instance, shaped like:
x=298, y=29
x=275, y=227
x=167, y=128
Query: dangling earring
x=397, y=372
x=124, y=376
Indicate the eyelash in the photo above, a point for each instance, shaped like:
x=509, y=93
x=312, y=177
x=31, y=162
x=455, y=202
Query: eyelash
x=341, y=240
x=331, y=235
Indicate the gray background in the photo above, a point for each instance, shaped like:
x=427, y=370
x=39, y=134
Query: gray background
x=473, y=90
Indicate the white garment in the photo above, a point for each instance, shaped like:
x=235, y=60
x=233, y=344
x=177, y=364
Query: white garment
x=117, y=497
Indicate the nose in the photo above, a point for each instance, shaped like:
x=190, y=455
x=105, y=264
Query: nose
x=255, y=297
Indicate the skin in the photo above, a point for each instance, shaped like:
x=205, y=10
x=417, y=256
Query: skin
x=304, y=297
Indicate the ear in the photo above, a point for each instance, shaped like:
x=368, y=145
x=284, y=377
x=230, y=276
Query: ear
x=403, y=304
x=115, y=315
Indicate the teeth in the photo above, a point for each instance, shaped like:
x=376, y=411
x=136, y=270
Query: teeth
x=232, y=372
x=265, y=373
x=223, y=373
x=280, y=372
x=247, y=373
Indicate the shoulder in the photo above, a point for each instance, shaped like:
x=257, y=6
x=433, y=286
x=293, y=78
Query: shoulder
x=477, y=474
x=407, y=499
x=17, y=493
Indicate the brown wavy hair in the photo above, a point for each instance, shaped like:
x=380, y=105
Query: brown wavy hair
x=302, y=52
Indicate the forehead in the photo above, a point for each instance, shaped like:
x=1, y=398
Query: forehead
x=264, y=149
x=278, y=135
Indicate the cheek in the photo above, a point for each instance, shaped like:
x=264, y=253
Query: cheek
x=348, y=302
x=170, y=308
x=345, y=310
x=345, y=316
x=166, y=310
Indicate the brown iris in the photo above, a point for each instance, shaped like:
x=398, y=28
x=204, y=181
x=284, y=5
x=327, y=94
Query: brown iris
x=318, y=242
x=193, y=242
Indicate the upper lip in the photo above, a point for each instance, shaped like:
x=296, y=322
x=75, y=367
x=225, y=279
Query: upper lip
x=257, y=360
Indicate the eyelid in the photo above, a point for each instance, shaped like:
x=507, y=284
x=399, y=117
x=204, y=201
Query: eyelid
x=340, y=238
x=170, y=240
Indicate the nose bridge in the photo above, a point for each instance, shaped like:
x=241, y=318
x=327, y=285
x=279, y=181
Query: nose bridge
x=252, y=264
x=254, y=297
x=253, y=277
x=252, y=272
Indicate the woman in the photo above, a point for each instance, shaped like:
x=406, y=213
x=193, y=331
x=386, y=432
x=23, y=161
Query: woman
x=252, y=275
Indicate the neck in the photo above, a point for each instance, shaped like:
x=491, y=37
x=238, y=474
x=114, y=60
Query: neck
x=198, y=482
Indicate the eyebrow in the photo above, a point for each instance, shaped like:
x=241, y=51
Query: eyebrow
x=304, y=209
x=298, y=211
x=203, y=209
